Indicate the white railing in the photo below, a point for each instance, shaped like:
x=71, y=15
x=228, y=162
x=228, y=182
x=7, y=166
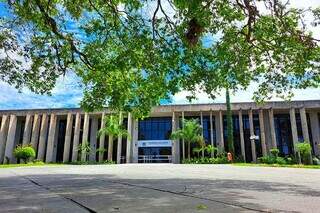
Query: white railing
x=154, y=158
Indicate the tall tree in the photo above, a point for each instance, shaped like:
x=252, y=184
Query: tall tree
x=229, y=124
x=130, y=61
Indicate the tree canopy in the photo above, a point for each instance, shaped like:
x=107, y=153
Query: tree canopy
x=131, y=54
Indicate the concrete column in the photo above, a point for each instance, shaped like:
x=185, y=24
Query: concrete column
x=201, y=122
x=211, y=132
x=76, y=138
x=55, y=147
x=135, y=147
x=119, y=144
x=9, y=158
x=294, y=131
x=43, y=137
x=102, y=138
x=183, y=142
x=27, y=130
x=315, y=129
x=67, y=138
x=242, y=144
x=93, y=138
x=304, y=124
x=272, y=130
x=262, y=133
x=217, y=125
x=175, y=143
x=3, y=136
x=35, y=132
x=85, y=135
x=253, y=144
x=51, y=139
x=129, y=139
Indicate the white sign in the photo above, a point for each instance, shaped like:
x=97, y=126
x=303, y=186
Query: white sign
x=254, y=137
x=155, y=143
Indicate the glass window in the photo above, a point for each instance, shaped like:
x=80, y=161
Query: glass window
x=157, y=128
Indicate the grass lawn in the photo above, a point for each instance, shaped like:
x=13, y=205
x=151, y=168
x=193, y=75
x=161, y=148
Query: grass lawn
x=29, y=164
x=278, y=165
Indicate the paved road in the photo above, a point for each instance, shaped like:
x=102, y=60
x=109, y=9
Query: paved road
x=159, y=188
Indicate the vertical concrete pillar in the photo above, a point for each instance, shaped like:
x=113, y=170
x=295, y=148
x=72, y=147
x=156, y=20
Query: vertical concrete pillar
x=304, y=124
x=119, y=144
x=294, y=131
x=43, y=137
x=9, y=158
x=76, y=138
x=315, y=129
x=183, y=142
x=272, y=130
x=211, y=132
x=27, y=130
x=102, y=138
x=262, y=133
x=217, y=125
x=175, y=143
x=93, y=138
x=3, y=136
x=253, y=144
x=51, y=139
x=67, y=138
x=201, y=122
x=129, y=139
x=242, y=144
x=135, y=147
x=35, y=132
x=85, y=136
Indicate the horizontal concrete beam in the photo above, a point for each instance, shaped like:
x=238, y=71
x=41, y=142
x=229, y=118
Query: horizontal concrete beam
x=277, y=105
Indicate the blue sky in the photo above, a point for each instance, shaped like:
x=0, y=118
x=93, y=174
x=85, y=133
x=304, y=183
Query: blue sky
x=68, y=93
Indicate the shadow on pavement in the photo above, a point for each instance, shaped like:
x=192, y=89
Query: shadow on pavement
x=106, y=193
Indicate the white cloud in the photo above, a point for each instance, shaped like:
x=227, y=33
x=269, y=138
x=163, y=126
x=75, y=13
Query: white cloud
x=67, y=93
x=243, y=96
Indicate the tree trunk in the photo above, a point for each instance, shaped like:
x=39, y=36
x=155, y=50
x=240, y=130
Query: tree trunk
x=110, y=147
x=229, y=124
x=189, y=150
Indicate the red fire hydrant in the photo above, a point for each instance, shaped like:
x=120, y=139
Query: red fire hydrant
x=230, y=157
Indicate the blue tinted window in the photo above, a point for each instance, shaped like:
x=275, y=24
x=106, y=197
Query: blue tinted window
x=158, y=128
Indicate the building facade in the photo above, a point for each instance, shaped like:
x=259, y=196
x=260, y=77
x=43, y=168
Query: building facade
x=56, y=134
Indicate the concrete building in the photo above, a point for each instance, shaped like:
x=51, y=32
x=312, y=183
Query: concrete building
x=56, y=134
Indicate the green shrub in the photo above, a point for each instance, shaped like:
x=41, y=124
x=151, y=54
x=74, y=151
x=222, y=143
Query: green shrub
x=274, y=152
x=24, y=153
x=289, y=160
x=37, y=161
x=280, y=160
x=267, y=160
x=109, y=162
x=316, y=161
x=305, y=152
x=274, y=160
x=206, y=160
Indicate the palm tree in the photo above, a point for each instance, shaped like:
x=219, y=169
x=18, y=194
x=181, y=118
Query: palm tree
x=113, y=128
x=190, y=133
x=210, y=149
